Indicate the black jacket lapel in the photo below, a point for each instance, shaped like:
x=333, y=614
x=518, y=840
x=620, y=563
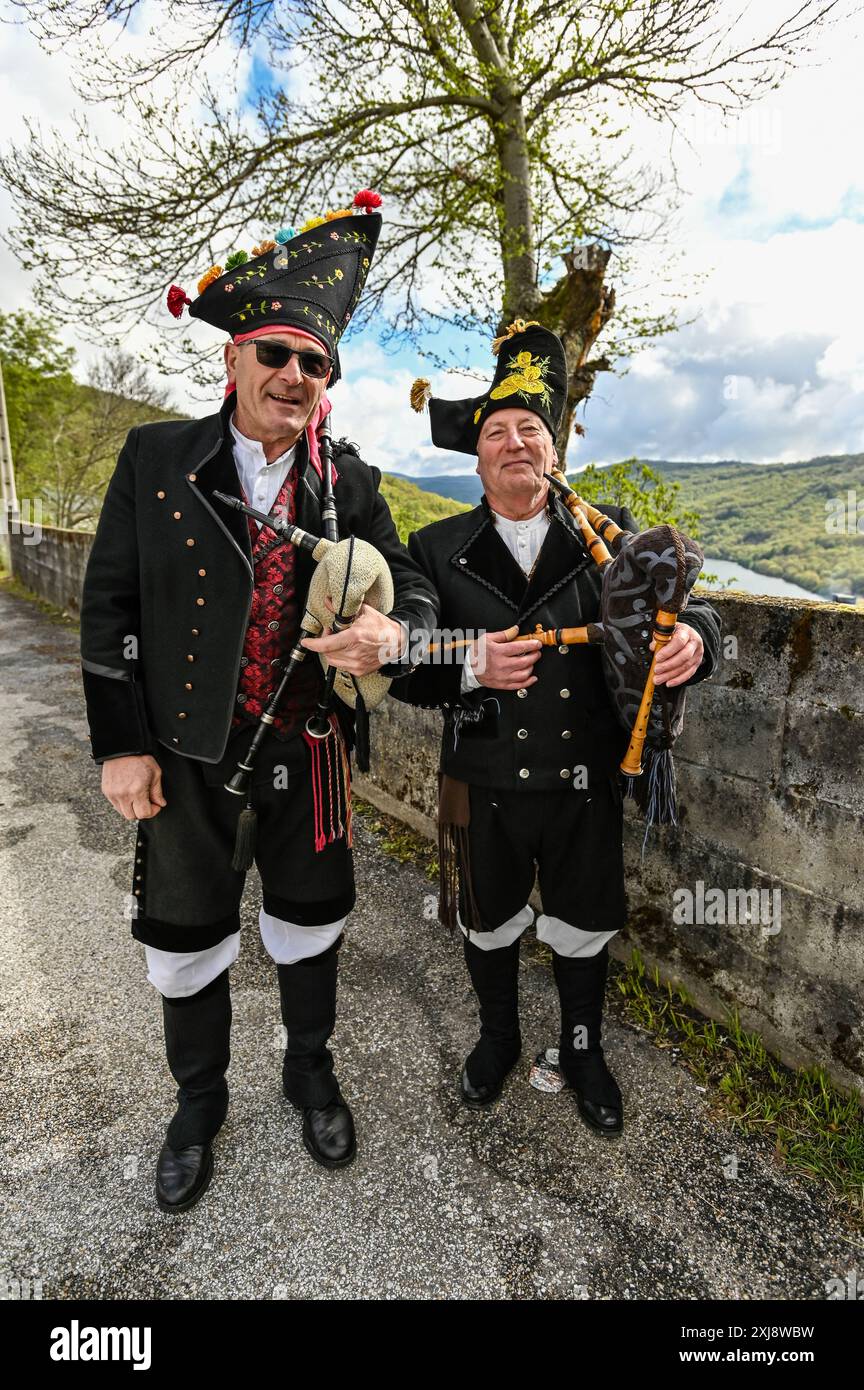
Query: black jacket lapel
x=485, y=558
x=216, y=471
x=562, y=556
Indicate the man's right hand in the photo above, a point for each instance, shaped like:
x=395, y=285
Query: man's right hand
x=503, y=664
x=133, y=785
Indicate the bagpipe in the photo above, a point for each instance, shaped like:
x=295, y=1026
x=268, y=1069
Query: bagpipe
x=348, y=572
x=647, y=577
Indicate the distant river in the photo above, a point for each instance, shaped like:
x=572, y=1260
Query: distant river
x=753, y=583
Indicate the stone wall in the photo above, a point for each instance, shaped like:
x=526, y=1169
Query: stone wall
x=54, y=566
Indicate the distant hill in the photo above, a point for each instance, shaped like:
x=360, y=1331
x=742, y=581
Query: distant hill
x=412, y=506
x=768, y=517
x=462, y=487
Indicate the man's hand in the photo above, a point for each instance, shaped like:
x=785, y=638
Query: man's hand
x=503, y=664
x=133, y=785
x=371, y=641
x=680, y=658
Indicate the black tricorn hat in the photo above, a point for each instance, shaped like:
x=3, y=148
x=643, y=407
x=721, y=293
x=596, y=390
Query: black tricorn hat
x=309, y=280
x=531, y=372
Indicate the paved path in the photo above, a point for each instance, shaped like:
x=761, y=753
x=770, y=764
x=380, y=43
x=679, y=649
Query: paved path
x=518, y=1202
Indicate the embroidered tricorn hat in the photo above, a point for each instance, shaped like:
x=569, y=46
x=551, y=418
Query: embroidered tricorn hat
x=530, y=372
x=310, y=280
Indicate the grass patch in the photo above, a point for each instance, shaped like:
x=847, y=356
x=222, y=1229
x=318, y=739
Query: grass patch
x=10, y=585
x=816, y=1129
x=397, y=840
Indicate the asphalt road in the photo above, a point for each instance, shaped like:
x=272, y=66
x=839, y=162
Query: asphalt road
x=520, y=1202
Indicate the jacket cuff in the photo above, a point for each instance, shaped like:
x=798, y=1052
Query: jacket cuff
x=116, y=716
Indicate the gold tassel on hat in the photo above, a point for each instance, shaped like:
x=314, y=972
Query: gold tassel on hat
x=421, y=392
x=517, y=326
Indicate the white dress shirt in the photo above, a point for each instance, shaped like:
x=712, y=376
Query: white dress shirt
x=523, y=539
x=261, y=480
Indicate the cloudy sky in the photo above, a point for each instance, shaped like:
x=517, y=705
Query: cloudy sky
x=771, y=226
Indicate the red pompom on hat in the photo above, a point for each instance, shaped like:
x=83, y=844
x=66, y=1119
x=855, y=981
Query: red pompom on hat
x=177, y=301
x=367, y=199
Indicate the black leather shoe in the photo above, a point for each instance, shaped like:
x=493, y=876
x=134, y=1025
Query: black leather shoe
x=328, y=1133
x=603, y=1119
x=475, y=1097
x=182, y=1176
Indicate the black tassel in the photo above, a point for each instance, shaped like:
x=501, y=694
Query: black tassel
x=361, y=733
x=244, y=844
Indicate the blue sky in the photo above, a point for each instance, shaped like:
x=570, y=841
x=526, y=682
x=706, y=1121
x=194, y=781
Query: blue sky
x=771, y=227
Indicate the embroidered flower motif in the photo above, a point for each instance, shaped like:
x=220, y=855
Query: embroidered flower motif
x=277, y=304
x=334, y=236
x=526, y=379
x=228, y=289
x=338, y=274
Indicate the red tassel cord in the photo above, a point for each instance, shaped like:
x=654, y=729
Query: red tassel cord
x=337, y=814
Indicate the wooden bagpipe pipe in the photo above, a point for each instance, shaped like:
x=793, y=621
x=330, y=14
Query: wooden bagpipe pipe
x=348, y=572
x=646, y=582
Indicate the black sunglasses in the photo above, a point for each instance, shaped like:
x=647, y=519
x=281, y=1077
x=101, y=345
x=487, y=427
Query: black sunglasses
x=314, y=364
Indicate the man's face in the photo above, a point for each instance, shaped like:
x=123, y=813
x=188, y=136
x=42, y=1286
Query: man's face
x=273, y=402
x=514, y=450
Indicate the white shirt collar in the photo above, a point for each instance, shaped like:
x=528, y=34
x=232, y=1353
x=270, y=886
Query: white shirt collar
x=253, y=451
x=533, y=523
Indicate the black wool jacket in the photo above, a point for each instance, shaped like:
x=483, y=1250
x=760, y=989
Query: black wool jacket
x=169, y=583
x=537, y=737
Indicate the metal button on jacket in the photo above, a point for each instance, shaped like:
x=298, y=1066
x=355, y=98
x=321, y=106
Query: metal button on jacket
x=200, y=602
x=523, y=772
x=565, y=772
x=177, y=516
x=195, y=632
x=522, y=693
x=565, y=733
x=189, y=540
x=182, y=714
x=273, y=626
x=277, y=588
x=160, y=495
x=565, y=693
x=521, y=733
x=241, y=699
x=189, y=656
x=244, y=661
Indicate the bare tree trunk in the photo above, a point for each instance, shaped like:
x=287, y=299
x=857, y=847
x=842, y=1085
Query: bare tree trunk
x=577, y=309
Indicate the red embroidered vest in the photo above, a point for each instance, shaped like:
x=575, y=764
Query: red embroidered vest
x=274, y=626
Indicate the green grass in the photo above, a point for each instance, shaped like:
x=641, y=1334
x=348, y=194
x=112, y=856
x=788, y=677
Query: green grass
x=397, y=840
x=815, y=1129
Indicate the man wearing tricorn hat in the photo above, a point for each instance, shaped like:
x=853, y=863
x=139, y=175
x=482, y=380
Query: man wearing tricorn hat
x=531, y=744
x=190, y=610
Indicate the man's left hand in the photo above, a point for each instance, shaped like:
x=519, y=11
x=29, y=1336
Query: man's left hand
x=680, y=658
x=370, y=642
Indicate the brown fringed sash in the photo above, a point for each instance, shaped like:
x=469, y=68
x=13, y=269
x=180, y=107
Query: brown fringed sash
x=454, y=862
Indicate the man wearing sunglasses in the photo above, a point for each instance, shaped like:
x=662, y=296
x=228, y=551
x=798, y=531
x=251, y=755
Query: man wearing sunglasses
x=189, y=611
